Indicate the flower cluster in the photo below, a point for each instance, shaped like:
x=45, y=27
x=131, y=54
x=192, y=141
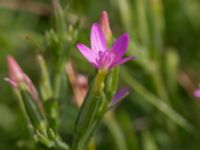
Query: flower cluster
x=93, y=100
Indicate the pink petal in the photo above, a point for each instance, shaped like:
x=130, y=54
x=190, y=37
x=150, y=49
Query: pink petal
x=105, y=25
x=15, y=71
x=120, y=45
x=87, y=53
x=120, y=95
x=97, y=39
x=11, y=82
x=122, y=61
x=197, y=93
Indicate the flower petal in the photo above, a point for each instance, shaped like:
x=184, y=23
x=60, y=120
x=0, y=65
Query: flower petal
x=124, y=60
x=197, y=93
x=15, y=71
x=87, y=53
x=120, y=95
x=120, y=45
x=105, y=25
x=11, y=82
x=97, y=39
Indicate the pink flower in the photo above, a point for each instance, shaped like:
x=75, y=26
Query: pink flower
x=100, y=56
x=197, y=93
x=17, y=77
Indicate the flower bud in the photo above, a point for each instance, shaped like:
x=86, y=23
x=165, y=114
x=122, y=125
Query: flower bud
x=197, y=93
x=18, y=78
x=105, y=26
x=82, y=83
x=79, y=84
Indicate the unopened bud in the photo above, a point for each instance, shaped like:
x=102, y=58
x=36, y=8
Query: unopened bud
x=17, y=77
x=105, y=26
x=79, y=84
x=82, y=83
x=197, y=93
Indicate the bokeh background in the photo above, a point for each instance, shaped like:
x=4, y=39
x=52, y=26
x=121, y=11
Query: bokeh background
x=160, y=112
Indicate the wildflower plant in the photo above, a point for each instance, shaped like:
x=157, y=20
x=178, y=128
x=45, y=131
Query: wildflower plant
x=41, y=105
x=68, y=74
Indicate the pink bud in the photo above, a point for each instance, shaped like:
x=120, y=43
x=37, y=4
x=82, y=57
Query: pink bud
x=78, y=82
x=105, y=25
x=82, y=84
x=18, y=77
x=15, y=72
x=197, y=93
x=82, y=81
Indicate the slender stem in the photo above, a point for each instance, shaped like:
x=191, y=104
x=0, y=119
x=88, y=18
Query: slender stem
x=27, y=119
x=88, y=117
x=46, y=89
x=57, y=83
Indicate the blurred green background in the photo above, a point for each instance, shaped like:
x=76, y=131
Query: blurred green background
x=159, y=114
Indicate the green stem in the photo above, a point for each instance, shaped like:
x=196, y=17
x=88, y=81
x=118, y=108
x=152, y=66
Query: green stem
x=27, y=119
x=89, y=117
x=46, y=89
x=37, y=119
x=57, y=84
